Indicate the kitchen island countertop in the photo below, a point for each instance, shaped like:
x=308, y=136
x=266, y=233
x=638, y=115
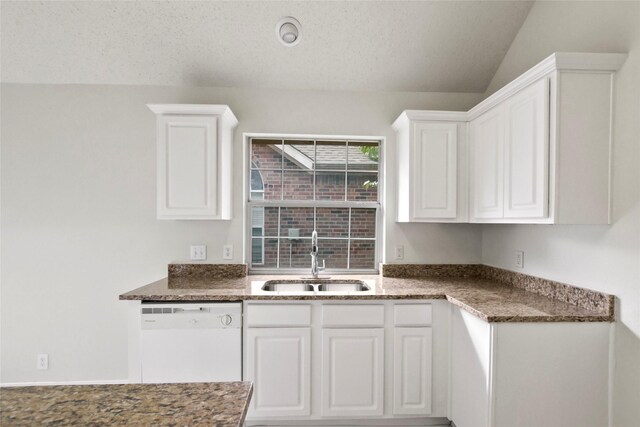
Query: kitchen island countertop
x=221, y=404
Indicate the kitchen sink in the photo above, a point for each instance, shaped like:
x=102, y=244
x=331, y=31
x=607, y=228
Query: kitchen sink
x=343, y=287
x=315, y=285
x=276, y=286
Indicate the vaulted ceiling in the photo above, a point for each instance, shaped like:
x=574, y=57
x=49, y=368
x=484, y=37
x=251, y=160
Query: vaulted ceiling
x=441, y=46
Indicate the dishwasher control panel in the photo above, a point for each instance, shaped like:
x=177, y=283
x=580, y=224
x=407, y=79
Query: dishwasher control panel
x=191, y=316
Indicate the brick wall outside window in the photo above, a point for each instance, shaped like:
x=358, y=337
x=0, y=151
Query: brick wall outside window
x=296, y=183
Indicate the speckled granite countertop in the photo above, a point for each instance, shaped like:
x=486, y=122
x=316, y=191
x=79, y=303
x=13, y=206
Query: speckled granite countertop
x=193, y=404
x=486, y=298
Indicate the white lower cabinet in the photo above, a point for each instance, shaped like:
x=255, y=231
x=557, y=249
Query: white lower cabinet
x=412, y=359
x=470, y=363
x=328, y=360
x=278, y=363
x=352, y=372
x=424, y=361
x=528, y=374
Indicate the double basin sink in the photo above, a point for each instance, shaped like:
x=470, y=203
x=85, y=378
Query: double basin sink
x=315, y=285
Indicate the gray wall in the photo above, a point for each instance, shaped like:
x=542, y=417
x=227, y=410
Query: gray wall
x=606, y=258
x=78, y=208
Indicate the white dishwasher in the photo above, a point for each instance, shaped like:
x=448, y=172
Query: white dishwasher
x=191, y=342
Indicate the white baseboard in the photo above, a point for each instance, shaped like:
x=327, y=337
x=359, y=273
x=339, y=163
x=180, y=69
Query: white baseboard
x=45, y=383
x=431, y=422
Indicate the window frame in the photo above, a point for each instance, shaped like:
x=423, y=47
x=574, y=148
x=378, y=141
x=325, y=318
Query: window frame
x=248, y=204
x=251, y=227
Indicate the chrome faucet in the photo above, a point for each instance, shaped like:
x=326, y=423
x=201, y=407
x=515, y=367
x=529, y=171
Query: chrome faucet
x=314, y=255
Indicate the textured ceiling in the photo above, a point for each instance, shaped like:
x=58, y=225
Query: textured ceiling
x=384, y=46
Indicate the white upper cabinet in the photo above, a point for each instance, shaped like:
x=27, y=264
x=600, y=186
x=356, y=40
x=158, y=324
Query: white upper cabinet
x=431, y=168
x=435, y=163
x=526, y=153
x=540, y=150
x=510, y=157
x=555, y=121
x=487, y=165
x=194, y=148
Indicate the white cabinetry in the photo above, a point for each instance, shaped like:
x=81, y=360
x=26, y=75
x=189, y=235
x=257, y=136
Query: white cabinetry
x=324, y=360
x=528, y=374
x=487, y=165
x=526, y=153
x=431, y=159
x=509, y=160
x=540, y=150
x=412, y=358
x=352, y=360
x=278, y=359
x=279, y=365
x=470, y=363
x=352, y=372
x=540, y=146
x=194, y=149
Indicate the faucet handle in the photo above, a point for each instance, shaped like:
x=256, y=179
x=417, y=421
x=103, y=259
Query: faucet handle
x=321, y=268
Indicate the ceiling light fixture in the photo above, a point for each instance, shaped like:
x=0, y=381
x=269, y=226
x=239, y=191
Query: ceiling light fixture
x=289, y=31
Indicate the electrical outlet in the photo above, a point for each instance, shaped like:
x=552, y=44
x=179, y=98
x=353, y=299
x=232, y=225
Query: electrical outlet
x=399, y=253
x=198, y=252
x=227, y=252
x=43, y=361
x=520, y=259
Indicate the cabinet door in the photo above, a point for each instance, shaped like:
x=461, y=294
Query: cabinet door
x=435, y=159
x=487, y=140
x=187, y=158
x=278, y=362
x=527, y=153
x=471, y=370
x=352, y=372
x=412, y=349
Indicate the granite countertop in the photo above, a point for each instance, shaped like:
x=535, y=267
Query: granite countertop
x=193, y=404
x=487, y=298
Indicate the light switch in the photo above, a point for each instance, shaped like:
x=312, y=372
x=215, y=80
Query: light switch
x=198, y=252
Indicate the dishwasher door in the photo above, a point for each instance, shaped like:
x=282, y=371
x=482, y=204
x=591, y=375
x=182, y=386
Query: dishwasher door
x=194, y=342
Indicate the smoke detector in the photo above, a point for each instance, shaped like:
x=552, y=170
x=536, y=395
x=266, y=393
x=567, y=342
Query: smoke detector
x=289, y=31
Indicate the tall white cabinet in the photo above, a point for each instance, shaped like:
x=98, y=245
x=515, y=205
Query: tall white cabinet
x=194, y=149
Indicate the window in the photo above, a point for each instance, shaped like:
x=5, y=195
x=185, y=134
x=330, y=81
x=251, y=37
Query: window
x=300, y=185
